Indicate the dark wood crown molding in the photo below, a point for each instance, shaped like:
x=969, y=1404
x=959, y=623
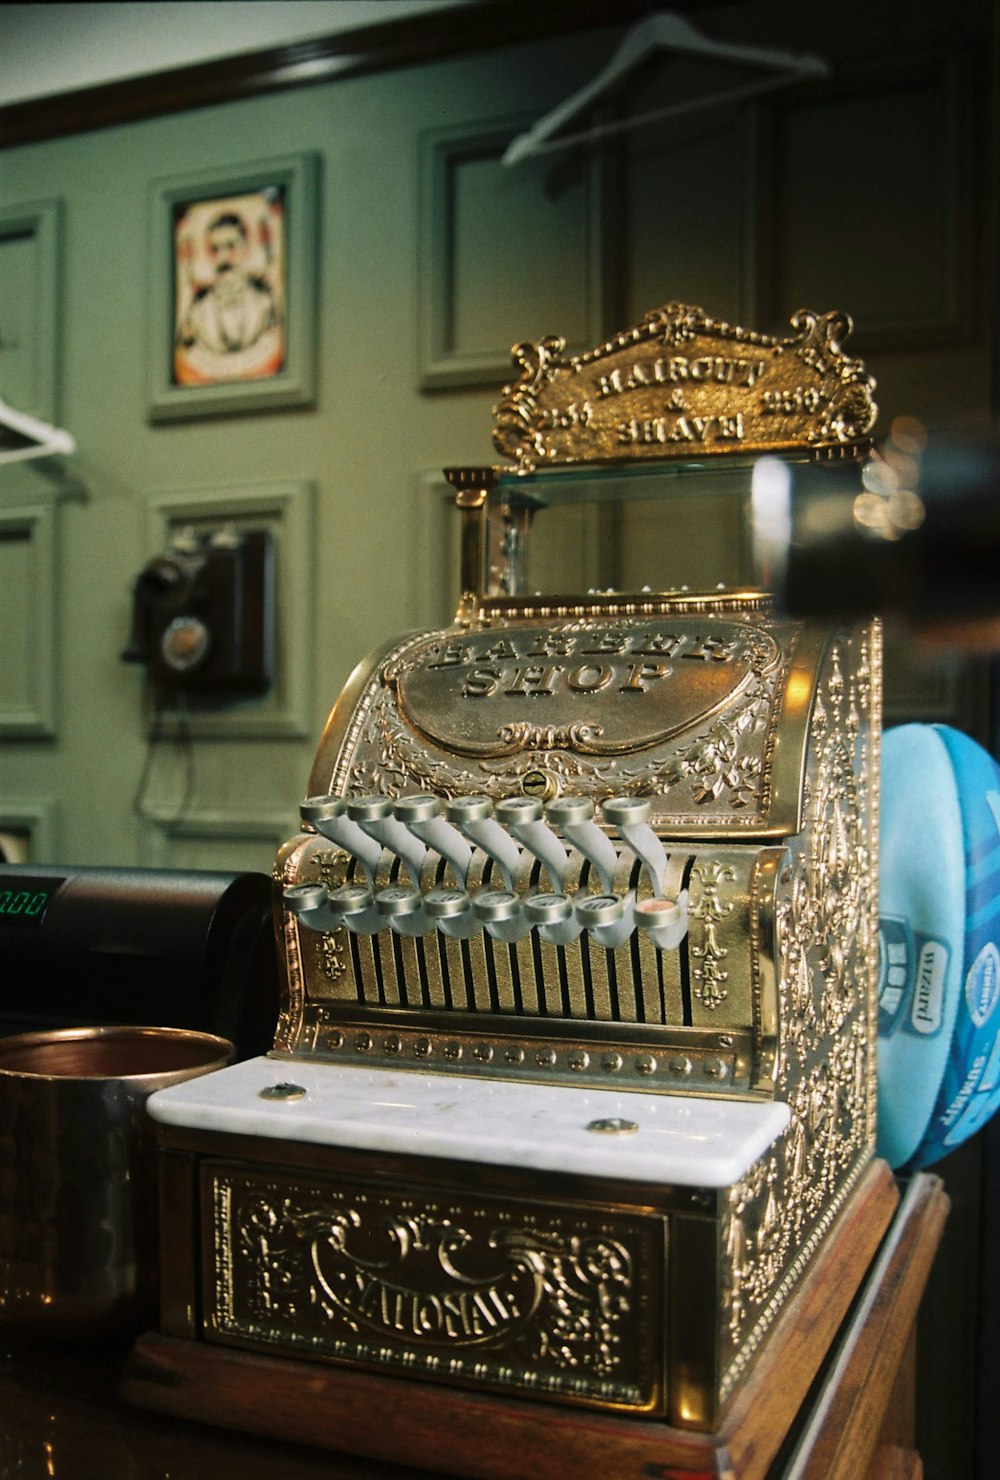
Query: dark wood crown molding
x=423, y=37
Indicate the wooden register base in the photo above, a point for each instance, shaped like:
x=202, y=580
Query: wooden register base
x=499, y=1438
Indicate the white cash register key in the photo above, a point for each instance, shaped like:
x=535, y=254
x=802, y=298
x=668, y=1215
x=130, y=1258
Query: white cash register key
x=631, y=817
x=522, y=816
x=421, y=813
x=353, y=906
x=575, y=816
x=328, y=815
x=664, y=920
x=609, y=918
x=373, y=814
x=310, y=904
x=403, y=910
x=301, y=898
x=474, y=816
x=503, y=914
x=451, y=911
x=554, y=918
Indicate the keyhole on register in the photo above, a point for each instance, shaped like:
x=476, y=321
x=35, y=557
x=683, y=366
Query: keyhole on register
x=540, y=784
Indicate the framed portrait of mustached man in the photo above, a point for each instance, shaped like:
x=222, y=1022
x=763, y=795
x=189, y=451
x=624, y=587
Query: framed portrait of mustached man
x=233, y=289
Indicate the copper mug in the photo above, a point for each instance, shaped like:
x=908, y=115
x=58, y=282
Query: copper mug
x=78, y=1174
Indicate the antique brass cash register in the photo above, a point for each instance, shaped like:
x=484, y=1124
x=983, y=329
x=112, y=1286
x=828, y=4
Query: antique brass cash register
x=573, y=1086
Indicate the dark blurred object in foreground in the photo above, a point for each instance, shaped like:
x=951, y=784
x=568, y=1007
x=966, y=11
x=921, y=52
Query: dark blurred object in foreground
x=153, y=947
x=916, y=537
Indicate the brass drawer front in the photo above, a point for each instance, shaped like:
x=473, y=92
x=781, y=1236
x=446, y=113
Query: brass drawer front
x=559, y=1300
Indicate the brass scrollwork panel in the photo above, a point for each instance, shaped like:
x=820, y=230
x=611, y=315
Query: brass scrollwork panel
x=827, y=947
x=564, y=1302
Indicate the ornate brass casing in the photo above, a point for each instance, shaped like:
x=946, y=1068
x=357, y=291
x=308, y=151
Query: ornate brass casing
x=677, y=756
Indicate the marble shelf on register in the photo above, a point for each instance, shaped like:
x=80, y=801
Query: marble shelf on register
x=678, y=1139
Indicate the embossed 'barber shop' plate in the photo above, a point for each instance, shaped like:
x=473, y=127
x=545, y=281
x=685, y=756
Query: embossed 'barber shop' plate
x=592, y=687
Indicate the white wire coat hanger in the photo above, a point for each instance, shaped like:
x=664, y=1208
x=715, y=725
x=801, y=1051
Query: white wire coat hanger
x=43, y=440
x=665, y=31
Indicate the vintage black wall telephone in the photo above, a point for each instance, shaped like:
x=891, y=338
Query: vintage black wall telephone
x=203, y=613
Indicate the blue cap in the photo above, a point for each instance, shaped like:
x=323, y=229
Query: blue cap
x=939, y=943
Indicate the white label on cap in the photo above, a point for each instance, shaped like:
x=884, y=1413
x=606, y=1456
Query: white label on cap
x=977, y=1115
x=993, y=802
x=928, y=996
x=992, y=1074
x=982, y=985
x=965, y=1094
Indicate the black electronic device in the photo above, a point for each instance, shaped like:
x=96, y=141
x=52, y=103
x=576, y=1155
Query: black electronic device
x=149, y=947
x=203, y=613
x=24, y=900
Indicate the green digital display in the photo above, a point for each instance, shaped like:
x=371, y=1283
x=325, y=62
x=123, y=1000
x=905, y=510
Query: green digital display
x=24, y=899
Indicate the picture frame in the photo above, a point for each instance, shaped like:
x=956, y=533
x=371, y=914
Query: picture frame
x=30, y=298
x=232, y=289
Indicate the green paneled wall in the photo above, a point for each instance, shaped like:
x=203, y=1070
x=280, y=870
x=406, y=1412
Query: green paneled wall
x=376, y=546
x=432, y=260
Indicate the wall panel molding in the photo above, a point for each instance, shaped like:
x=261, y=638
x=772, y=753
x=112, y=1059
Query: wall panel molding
x=30, y=237
x=898, y=245
x=522, y=248
x=287, y=510
x=433, y=574
x=689, y=208
x=35, y=817
x=924, y=688
x=197, y=839
x=28, y=662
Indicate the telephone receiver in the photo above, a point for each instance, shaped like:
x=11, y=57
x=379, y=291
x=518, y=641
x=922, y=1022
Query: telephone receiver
x=203, y=613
